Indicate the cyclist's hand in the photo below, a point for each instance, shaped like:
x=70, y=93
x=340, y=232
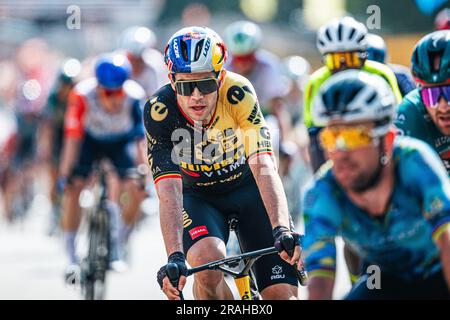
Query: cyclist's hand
x=165, y=283
x=288, y=244
x=61, y=183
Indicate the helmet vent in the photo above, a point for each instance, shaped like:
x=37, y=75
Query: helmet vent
x=327, y=34
x=352, y=33
x=184, y=50
x=361, y=38
x=371, y=98
x=340, y=32
x=198, y=49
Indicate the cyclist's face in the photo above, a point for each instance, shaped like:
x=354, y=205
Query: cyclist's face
x=354, y=168
x=244, y=64
x=111, y=100
x=441, y=115
x=198, y=106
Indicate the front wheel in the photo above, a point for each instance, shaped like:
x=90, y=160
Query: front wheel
x=96, y=263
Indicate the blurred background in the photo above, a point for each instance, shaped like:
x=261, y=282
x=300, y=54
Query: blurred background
x=36, y=36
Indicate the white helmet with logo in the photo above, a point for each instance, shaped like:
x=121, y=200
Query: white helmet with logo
x=342, y=35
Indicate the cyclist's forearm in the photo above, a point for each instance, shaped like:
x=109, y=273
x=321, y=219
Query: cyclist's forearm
x=271, y=190
x=444, y=247
x=69, y=155
x=170, y=211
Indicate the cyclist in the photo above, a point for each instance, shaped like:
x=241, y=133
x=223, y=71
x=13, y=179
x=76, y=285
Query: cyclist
x=425, y=112
x=261, y=67
x=52, y=127
x=296, y=69
x=34, y=70
x=376, y=51
x=147, y=63
x=211, y=157
x=387, y=196
x=343, y=45
x=103, y=120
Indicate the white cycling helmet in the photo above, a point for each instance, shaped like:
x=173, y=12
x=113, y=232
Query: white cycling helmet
x=342, y=35
x=135, y=40
x=354, y=96
x=195, y=50
x=243, y=37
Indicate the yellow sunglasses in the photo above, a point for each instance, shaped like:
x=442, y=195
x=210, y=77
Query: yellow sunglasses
x=345, y=138
x=339, y=60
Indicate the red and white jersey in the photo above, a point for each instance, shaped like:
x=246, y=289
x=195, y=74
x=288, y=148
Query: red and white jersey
x=85, y=114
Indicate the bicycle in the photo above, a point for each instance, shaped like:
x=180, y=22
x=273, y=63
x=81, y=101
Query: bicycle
x=242, y=278
x=94, y=267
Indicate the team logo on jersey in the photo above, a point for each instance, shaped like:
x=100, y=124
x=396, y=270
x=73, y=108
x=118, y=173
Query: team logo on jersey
x=264, y=131
x=159, y=111
x=277, y=273
x=186, y=220
x=255, y=116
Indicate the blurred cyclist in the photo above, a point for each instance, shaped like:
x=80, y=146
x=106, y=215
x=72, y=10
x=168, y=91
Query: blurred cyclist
x=147, y=63
x=243, y=39
x=296, y=69
x=387, y=196
x=425, y=112
x=33, y=73
x=52, y=128
x=103, y=120
x=377, y=51
x=343, y=45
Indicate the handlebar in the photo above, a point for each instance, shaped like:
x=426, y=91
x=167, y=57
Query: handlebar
x=173, y=272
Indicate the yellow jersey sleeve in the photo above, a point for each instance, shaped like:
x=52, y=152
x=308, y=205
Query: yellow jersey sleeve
x=243, y=104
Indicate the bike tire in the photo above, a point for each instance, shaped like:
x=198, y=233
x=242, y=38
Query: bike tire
x=98, y=257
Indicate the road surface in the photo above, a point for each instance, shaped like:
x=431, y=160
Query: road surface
x=32, y=262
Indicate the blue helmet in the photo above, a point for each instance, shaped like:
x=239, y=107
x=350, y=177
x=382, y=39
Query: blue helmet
x=195, y=50
x=376, y=48
x=112, y=70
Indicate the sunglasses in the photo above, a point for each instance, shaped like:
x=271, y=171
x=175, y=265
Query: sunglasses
x=432, y=95
x=345, y=138
x=205, y=86
x=113, y=92
x=339, y=60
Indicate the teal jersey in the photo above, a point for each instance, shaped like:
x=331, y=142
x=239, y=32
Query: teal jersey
x=402, y=242
x=413, y=120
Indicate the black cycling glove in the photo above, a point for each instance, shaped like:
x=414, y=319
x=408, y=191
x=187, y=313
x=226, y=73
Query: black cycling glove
x=286, y=240
x=175, y=258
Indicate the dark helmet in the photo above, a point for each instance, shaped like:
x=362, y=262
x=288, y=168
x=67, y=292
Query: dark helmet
x=433, y=46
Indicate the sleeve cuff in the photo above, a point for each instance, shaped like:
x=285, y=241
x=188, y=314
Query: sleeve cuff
x=166, y=176
x=437, y=232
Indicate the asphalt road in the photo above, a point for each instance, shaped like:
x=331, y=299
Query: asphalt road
x=32, y=262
